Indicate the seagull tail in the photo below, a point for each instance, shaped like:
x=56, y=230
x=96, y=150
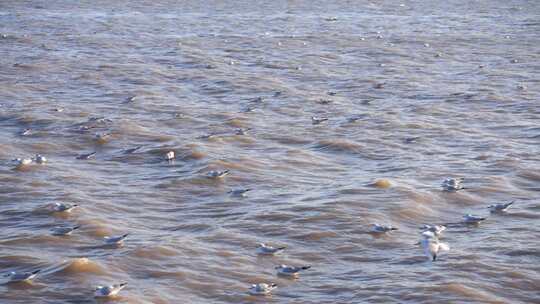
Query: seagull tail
x=273, y=285
x=306, y=267
x=394, y=228
x=36, y=271
x=122, y=284
x=76, y=227
x=125, y=235
x=281, y=248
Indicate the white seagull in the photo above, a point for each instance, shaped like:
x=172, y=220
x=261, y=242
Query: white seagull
x=115, y=240
x=22, y=161
x=40, y=159
x=217, y=174
x=291, y=271
x=432, y=246
x=14, y=277
x=436, y=229
x=318, y=120
x=453, y=184
x=169, y=155
x=262, y=289
x=61, y=231
x=500, y=208
x=472, y=219
x=382, y=228
x=108, y=291
x=264, y=249
x=61, y=207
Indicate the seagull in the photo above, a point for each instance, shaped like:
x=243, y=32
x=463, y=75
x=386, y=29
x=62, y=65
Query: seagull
x=472, y=219
x=217, y=174
x=318, y=120
x=262, y=289
x=437, y=230
x=108, y=291
x=241, y=131
x=169, y=155
x=239, y=192
x=500, y=208
x=87, y=156
x=61, y=207
x=115, y=240
x=382, y=228
x=291, y=271
x=453, y=184
x=40, y=159
x=26, y=132
x=101, y=137
x=61, y=231
x=22, y=161
x=431, y=245
x=14, y=277
x=264, y=249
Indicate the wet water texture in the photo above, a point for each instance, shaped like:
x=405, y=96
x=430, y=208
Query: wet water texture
x=413, y=93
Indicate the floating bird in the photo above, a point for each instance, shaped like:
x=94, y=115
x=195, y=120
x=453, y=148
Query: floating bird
x=217, y=174
x=264, y=249
x=248, y=109
x=437, y=230
x=26, y=132
x=453, y=184
x=241, y=131
x=318, y=120
x=291, y=271
x=40, y=159
x=115, y=240
x=87, y=156
x=61, y=207
x=103, y=137
x=20, y=162
x=379, y=85
x=61, y=231
x=431, y=245
x=14, y=277
x=472, y=219
x=262, y=289
x=382, y=228
x=170, y=155
x=108, y=291
x=500, y=208
x=131, y=99
x=239, y=192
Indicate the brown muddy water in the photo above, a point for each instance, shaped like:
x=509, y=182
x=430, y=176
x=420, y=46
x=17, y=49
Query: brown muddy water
x=414, y=92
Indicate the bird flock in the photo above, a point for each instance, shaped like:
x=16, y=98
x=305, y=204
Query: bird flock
x=430, y=235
